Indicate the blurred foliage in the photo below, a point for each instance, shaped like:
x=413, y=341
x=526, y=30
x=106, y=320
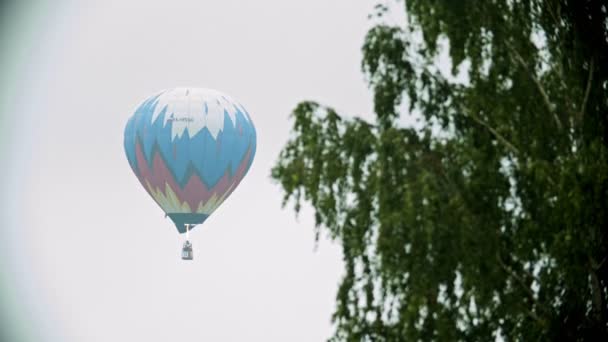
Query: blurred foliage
x=490, y=218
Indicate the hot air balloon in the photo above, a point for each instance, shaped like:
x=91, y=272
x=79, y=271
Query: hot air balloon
x=190, y=148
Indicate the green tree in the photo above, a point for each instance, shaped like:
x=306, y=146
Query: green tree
x=490, y=218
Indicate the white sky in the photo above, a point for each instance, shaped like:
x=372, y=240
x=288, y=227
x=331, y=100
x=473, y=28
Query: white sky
x=101, y=262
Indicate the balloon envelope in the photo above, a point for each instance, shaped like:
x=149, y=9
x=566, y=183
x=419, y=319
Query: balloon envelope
x=190, y=148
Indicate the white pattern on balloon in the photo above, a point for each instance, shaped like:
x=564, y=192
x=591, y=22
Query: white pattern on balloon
x=193, y=109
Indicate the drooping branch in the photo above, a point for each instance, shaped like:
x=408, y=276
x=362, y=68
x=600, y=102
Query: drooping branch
x=581, y=113
x=498, y=136
x=525, y=287
x=550, y=107
x=597, y=293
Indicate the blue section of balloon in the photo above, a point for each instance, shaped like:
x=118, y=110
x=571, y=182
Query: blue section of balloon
x=207, y=161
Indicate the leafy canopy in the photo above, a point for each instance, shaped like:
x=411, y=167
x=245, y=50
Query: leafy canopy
x=490, y=218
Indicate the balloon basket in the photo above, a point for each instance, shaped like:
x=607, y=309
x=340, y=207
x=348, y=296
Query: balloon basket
x=187, y=253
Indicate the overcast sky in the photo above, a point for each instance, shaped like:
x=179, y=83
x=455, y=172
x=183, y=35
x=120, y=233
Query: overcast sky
x=87, y=255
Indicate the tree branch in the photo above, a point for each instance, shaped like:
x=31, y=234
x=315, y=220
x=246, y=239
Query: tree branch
x=492, y=130
x=525, y=286
x=596, y=295
x=552, y=12
x=599, y=304
x=498, y=136
x=539, y=86
x=596, y=266
x=581, y=114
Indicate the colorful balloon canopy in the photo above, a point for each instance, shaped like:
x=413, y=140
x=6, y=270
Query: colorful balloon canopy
x=190, y=148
